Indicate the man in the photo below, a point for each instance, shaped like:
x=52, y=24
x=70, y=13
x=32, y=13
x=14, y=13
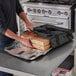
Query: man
x=8, y=24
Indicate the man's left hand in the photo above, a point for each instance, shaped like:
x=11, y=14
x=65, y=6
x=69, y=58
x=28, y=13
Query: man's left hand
x=29, y=26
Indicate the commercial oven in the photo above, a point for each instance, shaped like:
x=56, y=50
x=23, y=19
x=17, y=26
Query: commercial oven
x=39, y=13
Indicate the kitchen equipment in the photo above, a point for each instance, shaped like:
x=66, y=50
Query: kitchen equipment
x=58, y=15
x=53, y=14
x=47, y=40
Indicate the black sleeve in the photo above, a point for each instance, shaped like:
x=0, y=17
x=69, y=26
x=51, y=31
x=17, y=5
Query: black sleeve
x=3, y=25
x=18, y=7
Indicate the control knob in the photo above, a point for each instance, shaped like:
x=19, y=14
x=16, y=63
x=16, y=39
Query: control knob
x=43, y=11
x=65, y=13
x=39, y=11
x=28, y=9
x=59, y=12
x=49, y=12
x=34, y=10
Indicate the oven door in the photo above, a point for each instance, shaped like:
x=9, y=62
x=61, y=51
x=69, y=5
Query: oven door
x=59, y=22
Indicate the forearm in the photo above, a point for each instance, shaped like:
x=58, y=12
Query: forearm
x=29, y=25
x=23, y=16
x=12, y=35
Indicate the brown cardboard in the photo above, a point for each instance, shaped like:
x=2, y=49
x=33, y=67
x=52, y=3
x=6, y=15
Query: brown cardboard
x=40, y=41
x=42, y=48
x=37, y=41
x=29, y=35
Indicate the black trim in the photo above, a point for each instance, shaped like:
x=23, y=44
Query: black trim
x=73, y=17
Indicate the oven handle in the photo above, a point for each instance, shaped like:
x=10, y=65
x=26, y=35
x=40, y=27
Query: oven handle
x=53, y=23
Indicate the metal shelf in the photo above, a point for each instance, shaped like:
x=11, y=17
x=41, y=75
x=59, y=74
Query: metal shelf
x=42, y=66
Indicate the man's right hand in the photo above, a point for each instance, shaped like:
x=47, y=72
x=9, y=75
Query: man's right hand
x=12, y=35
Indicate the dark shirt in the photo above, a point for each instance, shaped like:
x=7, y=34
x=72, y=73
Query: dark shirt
x=8, y=10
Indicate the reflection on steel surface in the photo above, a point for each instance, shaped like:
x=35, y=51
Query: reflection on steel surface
x=18, y=50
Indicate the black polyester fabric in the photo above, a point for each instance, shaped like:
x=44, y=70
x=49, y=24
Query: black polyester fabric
x=8, y=10
x=57, y=36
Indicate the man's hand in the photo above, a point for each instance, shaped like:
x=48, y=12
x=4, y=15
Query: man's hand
x=12, y=35
x=29, y=26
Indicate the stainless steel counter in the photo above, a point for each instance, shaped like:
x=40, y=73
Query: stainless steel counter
x=42, y=66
